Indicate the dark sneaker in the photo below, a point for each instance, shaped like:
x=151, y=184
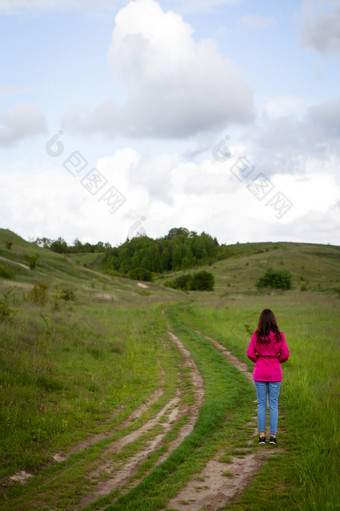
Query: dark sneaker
x=272, y=440
x=262, y=440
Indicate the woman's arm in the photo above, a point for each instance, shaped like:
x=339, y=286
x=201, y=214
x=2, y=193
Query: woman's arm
x=284, y=353
x=251, y=351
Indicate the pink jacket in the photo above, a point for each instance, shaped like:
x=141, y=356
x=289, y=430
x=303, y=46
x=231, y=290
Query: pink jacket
x=268, y=357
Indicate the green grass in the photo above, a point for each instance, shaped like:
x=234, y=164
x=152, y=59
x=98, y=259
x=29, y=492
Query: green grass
x=307, y=477
x=63, y=373
x=71, y=369
x=226, y=397
x=134, y=386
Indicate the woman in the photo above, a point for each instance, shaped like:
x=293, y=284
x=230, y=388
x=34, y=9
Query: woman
x=268, y=349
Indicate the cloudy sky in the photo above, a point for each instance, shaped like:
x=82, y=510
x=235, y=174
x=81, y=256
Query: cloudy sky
x=121, y=117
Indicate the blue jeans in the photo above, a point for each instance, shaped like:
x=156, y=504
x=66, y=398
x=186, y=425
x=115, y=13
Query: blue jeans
x=272, y=388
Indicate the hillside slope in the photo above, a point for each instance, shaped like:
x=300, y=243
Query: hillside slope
x=58, y=271
x=313, y=267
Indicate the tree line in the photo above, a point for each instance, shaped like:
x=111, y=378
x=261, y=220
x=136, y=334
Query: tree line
x=178, y=250
x=61, y=247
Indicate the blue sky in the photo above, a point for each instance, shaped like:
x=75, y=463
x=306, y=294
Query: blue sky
x=144, y=91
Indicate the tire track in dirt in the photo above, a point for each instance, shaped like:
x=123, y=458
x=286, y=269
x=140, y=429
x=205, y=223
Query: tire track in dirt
x=219, y=483
x=122, y=475
x=84, y=444
x=87, y=442
x=192, y=411
x=61, y=456
x=241, y=366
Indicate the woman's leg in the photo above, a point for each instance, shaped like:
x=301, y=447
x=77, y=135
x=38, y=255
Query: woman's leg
x=273, y=395
x=261, y=392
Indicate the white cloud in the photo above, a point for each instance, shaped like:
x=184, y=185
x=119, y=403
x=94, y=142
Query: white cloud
x=320, y=21
x=22, y=121
x=176, y=87
x=52, y=202
x=312, y=227
x=258, y=22
x=284, y=105
x=167, y=192
x=285, y=144
x=327, y=117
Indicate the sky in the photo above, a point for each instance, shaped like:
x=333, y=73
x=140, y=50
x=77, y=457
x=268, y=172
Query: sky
x=122, y=118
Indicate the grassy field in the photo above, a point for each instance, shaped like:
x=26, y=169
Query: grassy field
x=84, y=350
x=307, y=476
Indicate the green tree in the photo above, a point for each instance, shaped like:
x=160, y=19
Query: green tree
x=59, y=246
x=179, y=249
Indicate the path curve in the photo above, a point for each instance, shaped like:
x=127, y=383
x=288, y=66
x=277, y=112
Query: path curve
x=122, y=476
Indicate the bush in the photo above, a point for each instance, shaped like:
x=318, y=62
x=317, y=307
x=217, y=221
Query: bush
x=32, y=260
x=275, y=279
x=6, y=313
x=66, y=294
x=9, y=244
x=183, y=282
x=39, y=293
x=140, y=274
x=6, y=272
x=201, y=281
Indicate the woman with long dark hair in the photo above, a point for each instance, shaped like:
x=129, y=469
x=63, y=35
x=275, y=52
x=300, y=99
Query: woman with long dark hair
x=268, y=349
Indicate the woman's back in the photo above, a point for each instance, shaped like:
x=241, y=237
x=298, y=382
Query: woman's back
x=268, y=356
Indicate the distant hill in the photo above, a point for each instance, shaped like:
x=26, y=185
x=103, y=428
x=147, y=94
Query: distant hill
x=313, y=267
x=236, y=268
x=61, y=271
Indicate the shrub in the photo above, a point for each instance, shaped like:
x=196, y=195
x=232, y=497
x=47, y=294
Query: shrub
x=183, y=282
x=6, y=313
x=39, y=293
x=6, y=272
x=275, y=279
x=9, y=244
x=32, y=260
x=140, y=274
x=66, y=294
x=201, y=281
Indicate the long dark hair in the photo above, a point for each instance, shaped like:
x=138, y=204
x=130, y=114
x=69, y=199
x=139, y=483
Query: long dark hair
x=267, y=323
